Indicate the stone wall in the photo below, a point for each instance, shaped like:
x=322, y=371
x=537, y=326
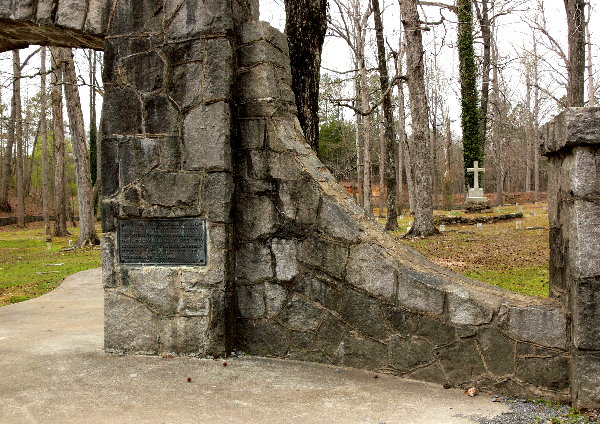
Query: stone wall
x=200, y=121
x=318, y=280
x=572, y=144
x=166, y=153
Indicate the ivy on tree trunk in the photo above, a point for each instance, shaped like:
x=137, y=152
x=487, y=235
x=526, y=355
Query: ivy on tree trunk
x=472, y=142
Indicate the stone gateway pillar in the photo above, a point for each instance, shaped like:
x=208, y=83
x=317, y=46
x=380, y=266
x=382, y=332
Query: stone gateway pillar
x=167, y=175
x=572, y=145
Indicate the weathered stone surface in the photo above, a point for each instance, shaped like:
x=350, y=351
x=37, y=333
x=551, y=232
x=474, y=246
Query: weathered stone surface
x=70, y=13
x=299, y=200
x=145, y=16
x=586, y=381
x=432, y=373
x=160, y=116
x=171, y=188
x=184, y=87
x=336, y=222
x=464, y=309
x=218, y=79
x=365, y=314
x=253, y=133
x=437, y=332
x=461, y=362
x=257, y=216
x=195, y=302
x=107, y=242
x=118, y=100
x=183, y=335
x=253, y=262
x=498, y=351
x=330, y=334
x=326, y=255
x=286, y=265
x=320, y=291
x=217, y=195
x=200, y=17
x=298, y=314
x=266, y=338
x=356, y=351
x=420, y=292
x=572, y=127
x=550, y=372
x=371, y=269
x=143, y=71
x=110, y=168
x=251, y=301
x=128, y=325
x=406, y=353
x=586, y=313
x=538, y=324
x=259, y=82
x=584, y=261
x=137, y=157
x=97, y=16
x=206, y=138
x=400, y=322
x=275, y=297
x=156, y=287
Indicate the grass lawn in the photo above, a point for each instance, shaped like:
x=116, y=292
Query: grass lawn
x=500, y=253
x=30, y=267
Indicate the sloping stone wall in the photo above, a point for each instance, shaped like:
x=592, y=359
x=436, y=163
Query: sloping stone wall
x=318, y=280
x=572, y=144
x=200, y=121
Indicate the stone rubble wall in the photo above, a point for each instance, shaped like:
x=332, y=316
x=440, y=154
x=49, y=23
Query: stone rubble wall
x=166, y=153
x=572, y=143
x=318, y=280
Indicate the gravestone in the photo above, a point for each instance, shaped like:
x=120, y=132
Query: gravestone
x=475, y=194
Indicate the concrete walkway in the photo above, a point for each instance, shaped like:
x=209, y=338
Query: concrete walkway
x=53, y=370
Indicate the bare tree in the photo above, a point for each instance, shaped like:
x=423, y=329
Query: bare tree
x=87, y=230
x=44, y=136
x=18, y=135
x=576, y=63
x=7, y=159
x=352, y=28
x=60, y=206
x=423, y=207
x=388, y=120
x=305, y=26
x=590, y=67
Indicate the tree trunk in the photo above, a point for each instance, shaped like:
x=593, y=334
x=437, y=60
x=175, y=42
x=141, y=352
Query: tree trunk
x=60, y=206
x=305, y=26
x=472, y=144
x=391, y=223
x=423, y=208
x=590, y=68
x=536, y=122
x=366, y=131
x=382, y=170
x=87, y=230
x=486, y=35
x=18, y=129
x=44, y=135
x=7, y=159
x=576, y=65
x=497, y=139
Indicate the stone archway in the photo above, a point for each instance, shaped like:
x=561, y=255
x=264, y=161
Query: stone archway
x=199, y=123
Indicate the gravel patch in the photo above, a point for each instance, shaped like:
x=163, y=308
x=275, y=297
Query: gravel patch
x=532, y=412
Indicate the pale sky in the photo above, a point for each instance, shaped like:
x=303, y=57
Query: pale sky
x=513, y=35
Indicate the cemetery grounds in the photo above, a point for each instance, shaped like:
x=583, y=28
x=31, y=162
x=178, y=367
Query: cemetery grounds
x=498, y=253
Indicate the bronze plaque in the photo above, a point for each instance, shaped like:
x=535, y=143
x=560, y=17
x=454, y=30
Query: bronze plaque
x=171, y=241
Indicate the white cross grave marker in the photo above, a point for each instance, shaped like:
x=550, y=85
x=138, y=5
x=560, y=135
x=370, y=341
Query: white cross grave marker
x=476, y=193
x=476, y=170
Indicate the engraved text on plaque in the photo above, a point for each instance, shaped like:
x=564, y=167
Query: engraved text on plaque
x=172, y=241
